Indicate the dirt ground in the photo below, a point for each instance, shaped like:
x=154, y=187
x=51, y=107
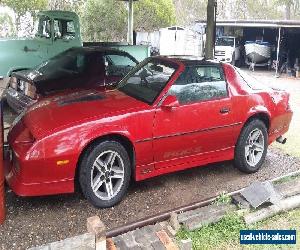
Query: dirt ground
x=35, y=221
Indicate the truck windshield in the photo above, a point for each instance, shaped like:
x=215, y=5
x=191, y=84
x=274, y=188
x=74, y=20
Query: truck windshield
x=146, y=81
x=225, y=41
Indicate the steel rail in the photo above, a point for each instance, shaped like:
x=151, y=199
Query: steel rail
x=166, y=215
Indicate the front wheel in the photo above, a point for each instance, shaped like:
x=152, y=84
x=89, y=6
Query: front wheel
x=251, y=148
x=104, y=174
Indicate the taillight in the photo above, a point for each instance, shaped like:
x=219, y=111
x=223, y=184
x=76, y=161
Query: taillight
x=30, y=90
x=13, y=82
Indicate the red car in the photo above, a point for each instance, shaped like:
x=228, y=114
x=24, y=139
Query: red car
x=167, y=114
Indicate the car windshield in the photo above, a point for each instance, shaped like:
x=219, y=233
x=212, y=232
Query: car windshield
x=146, y=81
x=225, y=41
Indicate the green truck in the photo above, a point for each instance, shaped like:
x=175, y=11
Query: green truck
x=57, y=31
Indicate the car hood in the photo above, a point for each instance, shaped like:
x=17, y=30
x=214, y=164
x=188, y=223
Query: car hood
x=60, y=112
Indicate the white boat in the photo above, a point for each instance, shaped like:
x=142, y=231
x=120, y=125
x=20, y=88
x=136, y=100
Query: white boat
x=257, y=52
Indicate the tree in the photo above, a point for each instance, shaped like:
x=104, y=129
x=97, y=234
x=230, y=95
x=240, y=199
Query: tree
x=22, y=7
x=70, y=5
x=7, y=28
x=291, y=8
x=153, y=14
x=188, y=11
x=106, y=20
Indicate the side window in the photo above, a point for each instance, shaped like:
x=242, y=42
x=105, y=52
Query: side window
x=64, y=29
x=118, y=65
x=199, y=83
x=44, y=27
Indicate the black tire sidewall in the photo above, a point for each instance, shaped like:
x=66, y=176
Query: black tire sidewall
x=85, y=170
x=240, y=159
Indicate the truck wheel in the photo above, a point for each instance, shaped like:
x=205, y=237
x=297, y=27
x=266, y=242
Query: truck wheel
x=251, y=148
x=104, y=174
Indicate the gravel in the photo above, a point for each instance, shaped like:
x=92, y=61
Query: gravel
x=39, y=220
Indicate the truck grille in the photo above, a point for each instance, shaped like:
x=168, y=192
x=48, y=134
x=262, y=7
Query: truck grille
x=219, y=53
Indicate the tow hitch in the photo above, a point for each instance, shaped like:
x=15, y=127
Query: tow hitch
x=281, y=140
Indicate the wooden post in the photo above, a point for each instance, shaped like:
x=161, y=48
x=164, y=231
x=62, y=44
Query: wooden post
x=96, y=227
x=2, y=198
x=210, y=29
x=130, y=22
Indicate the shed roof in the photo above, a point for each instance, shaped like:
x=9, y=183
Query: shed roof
x=257, y=23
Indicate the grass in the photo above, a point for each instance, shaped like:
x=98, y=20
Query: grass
x=287, y=179
x=225, y=233
x=223, y=198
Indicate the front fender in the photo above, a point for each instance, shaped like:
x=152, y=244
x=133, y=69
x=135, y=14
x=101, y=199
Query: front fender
x=106, y=130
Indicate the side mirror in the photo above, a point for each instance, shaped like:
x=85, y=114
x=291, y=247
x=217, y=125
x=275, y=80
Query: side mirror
x=170, y=102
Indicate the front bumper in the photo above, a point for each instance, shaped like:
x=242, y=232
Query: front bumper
x=14, y=173
x=16, y=100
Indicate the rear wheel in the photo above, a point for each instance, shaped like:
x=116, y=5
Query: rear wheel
x=251, y=148
x=104, y=174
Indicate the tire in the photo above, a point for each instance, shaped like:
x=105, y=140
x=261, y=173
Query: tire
x=105, y=167
x=250, y=154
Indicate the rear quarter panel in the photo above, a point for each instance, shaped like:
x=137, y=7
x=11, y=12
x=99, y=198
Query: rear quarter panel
x=248, y=102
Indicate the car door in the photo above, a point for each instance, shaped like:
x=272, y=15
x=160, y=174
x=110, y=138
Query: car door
x=202, y=124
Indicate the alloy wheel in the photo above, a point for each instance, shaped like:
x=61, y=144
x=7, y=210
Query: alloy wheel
x=107, y=175
x=254, y=147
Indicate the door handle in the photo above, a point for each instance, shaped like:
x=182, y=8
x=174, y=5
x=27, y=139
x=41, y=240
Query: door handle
x=224, y=110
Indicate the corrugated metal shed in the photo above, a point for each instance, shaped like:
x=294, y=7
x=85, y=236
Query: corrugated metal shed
x=257, y=23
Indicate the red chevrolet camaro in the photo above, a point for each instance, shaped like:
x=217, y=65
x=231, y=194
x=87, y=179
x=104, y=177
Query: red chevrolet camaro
x=167, y=114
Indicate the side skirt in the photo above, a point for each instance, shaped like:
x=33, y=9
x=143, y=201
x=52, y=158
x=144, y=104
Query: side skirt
x=148, y=171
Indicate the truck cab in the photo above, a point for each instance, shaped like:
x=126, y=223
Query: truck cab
x=228, y=49
x=56, y=31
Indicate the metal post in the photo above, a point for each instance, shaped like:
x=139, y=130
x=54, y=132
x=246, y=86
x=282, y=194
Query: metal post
x=130, y=22
x=2, y=198
x=278, y=48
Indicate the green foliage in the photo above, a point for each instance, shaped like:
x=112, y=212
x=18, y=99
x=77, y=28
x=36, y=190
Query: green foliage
x=7, y=28
x=287, y=179
x=106, y=20
x=70, y=5
x=188, y=11
x=225, y=233
x=153, y=14
x=22, y=6
x=212, y=236
x=223, y=198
